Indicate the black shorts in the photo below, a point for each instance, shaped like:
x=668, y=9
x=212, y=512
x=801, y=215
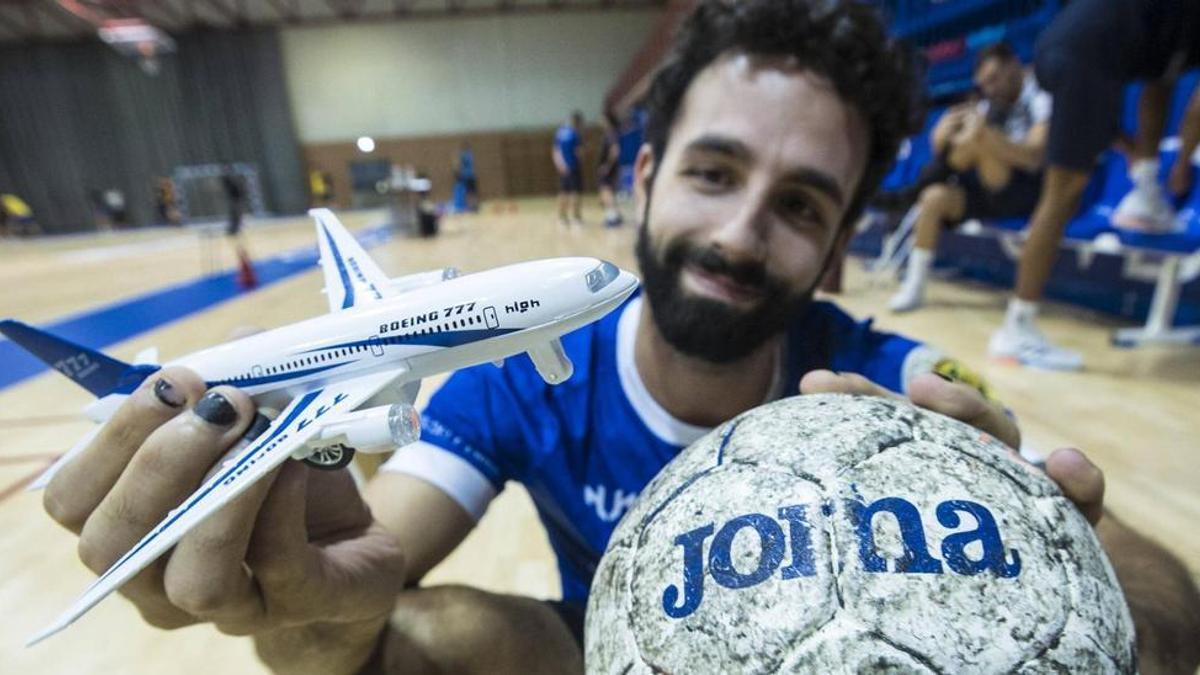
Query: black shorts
x=469, y=184
x=608, y=178
x=1015, y=200
x=1087, y=56
x=572, y=615
x=1087, y=109
x=234, y=226
x=572, y=181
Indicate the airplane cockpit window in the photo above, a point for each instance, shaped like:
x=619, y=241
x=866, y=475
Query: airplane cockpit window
x=601, y=276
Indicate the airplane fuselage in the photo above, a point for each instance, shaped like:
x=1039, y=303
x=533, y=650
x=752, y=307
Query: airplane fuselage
x=460, y=322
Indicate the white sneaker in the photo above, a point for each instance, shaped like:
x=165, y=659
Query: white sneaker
x=908, y=298
x=1145, y=209
x=1028, y=347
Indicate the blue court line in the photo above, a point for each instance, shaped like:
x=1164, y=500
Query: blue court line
x=109, y=324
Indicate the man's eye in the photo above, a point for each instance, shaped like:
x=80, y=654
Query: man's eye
x=799, y=208
x=715, y=177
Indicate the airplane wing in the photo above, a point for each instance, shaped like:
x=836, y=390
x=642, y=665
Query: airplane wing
x=351, y=277
x=305, y=416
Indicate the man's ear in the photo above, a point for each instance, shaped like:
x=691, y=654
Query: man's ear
x=643, y=173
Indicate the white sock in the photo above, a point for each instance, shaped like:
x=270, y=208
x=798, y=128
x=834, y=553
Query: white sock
x=919, y=262
x=1144, y=173
x=1020, y=313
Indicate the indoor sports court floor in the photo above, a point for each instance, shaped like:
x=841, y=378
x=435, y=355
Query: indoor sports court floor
x=1134, y=412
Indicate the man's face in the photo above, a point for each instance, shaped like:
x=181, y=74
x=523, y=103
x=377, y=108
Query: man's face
x=746, y=202
x=999, y=80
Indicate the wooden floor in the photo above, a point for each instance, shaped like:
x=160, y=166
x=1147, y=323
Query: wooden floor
x=1137, y=413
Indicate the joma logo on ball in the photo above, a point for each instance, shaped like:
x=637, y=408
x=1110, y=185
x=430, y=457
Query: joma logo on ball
x=773, y=543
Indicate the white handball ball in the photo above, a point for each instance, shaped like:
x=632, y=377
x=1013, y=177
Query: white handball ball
x=845, y=534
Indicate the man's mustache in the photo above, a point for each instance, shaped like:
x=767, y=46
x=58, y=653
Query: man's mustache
x=749, y=274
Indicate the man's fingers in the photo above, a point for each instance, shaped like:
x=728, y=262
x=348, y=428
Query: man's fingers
x=964, y=403
x=278, y=552
x=168, y=467
x=205, y=575
x=354, y=572
x=335, y=506
x=78, y=487
x=1081, y=481
x=361, y=576
x=929, y=391
x=829, y=382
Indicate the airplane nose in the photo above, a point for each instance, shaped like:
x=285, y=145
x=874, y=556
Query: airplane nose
x=602, y=275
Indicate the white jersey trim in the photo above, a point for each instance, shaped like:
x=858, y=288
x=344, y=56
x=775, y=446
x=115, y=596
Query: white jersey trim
x=656, y=418
x=919, y=360
x=447, y=472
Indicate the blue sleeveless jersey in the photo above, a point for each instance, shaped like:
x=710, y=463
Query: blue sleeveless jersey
x=567, y=139
x=584, y=449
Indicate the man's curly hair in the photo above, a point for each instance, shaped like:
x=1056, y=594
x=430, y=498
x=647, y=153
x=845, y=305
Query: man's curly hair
x=842, y=40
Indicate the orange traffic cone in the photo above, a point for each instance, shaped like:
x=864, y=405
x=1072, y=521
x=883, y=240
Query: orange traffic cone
x=246, y=278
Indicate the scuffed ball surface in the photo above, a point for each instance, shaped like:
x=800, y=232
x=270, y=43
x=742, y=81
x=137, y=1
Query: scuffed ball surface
x=831, y=534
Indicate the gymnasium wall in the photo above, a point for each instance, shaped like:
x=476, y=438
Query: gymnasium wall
x=507, y=163
x=75, y=118
x=420, y=88
x=441, y=76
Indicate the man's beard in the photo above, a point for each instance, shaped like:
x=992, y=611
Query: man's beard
x=705, y=328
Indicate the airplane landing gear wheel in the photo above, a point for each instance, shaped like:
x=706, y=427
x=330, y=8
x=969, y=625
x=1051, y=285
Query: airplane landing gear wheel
x=330, y=458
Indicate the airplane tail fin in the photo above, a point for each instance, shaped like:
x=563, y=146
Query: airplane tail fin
x=351, y=277
x=96, y=372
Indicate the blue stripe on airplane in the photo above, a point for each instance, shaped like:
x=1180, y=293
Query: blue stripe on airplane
x=224, y=476
x=132, y=378
x=277, y=377
x=347, y=301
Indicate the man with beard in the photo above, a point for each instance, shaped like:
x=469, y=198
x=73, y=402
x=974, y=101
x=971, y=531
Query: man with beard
x=770, y=124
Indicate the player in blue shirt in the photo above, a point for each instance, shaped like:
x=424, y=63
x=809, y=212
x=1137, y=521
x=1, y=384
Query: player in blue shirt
x=565, y=154
x=769, y=125
x=584, y=449
x=464, y=176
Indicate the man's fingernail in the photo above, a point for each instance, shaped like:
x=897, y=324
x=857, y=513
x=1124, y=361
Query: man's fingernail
x=168, y=394
x=216, y=409
x=943, y=376
x=257, y=427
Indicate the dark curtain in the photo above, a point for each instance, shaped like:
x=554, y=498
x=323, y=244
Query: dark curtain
x=77, y=118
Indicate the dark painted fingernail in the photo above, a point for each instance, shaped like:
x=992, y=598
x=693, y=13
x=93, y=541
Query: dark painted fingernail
x=216, y=409
x=168, y=394
x=257, y=427
x=944, y=376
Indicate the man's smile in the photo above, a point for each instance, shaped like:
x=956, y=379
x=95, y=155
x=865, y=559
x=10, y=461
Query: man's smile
x=720, y=286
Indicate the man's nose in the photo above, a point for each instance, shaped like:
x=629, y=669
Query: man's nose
x=744, y=233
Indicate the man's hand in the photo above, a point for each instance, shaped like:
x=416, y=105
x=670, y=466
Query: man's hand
x=271, y=561
x=929, y=391
x=1080, y=480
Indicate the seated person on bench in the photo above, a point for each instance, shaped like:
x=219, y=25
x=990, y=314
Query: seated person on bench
x=991, y=154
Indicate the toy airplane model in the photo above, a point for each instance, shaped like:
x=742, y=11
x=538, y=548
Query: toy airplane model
x=345, y=380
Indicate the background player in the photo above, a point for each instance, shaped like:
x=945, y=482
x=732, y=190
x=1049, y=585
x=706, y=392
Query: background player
x=1084, y=59
x=608, y=173
x=993, y=152
x=570, y=172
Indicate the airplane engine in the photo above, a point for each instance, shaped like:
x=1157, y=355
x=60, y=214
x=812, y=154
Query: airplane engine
x=552, y=362
x=373, y=430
